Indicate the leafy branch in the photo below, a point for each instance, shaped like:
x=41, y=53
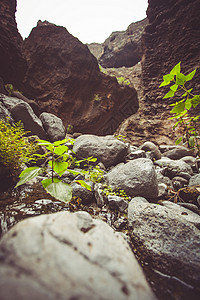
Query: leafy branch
x=181, y=108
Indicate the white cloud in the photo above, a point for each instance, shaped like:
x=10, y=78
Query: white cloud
x=89, y=20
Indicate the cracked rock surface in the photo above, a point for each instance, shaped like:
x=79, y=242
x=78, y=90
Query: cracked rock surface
x=69, y=256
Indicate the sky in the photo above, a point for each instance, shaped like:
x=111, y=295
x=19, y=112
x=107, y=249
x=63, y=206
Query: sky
x=88, y=20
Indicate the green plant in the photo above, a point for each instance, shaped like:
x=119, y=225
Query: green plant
x=182, y=107
x=107, y=190
x=15, y=147
x=10, y=89
x=69, y=128
x=123, y=81
x=97, y=97
x=60, y=160
x=120, y=137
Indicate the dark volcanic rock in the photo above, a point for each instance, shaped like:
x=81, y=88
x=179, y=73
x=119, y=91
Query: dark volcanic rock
x=64, y=77
x=171, y=36
x=123, y=48
x=12, y=64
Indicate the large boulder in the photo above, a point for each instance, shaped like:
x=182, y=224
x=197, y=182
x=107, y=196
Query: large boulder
x=174, y=167
x=107, y=149
x=123, y=48
x=168, y=241
x=53, y=126
x=64, y=78
x=23, y=112
x=69, y=256
x=137, y=178
x=12, y=63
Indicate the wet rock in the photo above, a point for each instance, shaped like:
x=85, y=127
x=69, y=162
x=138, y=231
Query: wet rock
x=117, y=202
x=136, y=178
x=63, y=256
x=53, y=126
x=22, y=111
x=108, y=150
x=167, y=240
x=174, y=167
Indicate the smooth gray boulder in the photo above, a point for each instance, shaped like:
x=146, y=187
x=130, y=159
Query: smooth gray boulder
x=178, y=152
x=152, y=150
x=107, y=149
x=53, y=126
x=137, y=178
x=166, y=237
x=69, y=256
x=23, y=111
x=194, y=180
x=174, y=167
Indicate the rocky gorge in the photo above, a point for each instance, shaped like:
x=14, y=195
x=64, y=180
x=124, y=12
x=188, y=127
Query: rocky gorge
x=134, y=234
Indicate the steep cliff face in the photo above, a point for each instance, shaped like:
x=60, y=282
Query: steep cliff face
x=64, y=78
x=123, y=48
x=12, y=64
x=171, y=36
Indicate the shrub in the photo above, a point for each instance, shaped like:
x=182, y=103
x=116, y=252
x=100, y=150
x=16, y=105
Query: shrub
x=182, y=107
x=60, y=159
x=15, y=147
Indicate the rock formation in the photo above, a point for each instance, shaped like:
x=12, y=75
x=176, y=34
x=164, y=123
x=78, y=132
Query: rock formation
x=123, y=48
x=12, y=63
x=171, y=36
x=64, y=78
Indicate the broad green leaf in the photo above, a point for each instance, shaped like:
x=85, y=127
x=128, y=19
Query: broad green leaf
x=195, y=100
x=164, y=83
x=174, y=87
x=169, y=94
x=188, y=104
x=74, y=172
x=29, y=174
x=92, y=159
x=179, y=140
x=48, y=181
x=60, y=150
x=185, y=94
x=60, y=167
x=178, y=108
x=168, y=78
x=84, y=184
x=190, y=75
x=191, y=141
x=61, y=191
x=58, y=143
x=180, y=79
x=176, y=69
